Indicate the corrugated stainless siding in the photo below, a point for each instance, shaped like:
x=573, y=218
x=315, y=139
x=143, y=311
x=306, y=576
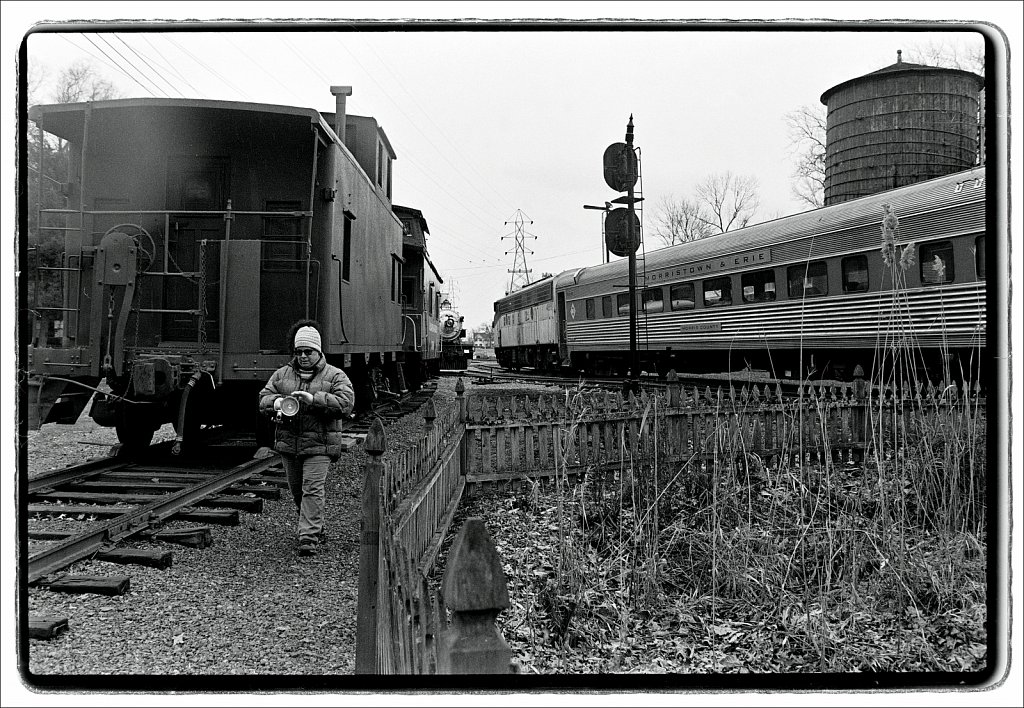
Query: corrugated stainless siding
x=953, y=315
x=940, y=208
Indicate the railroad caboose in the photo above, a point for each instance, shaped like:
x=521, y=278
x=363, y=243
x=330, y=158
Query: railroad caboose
x=195, y=233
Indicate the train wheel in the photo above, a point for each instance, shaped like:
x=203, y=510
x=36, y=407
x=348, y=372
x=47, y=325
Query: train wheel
x=134, y=431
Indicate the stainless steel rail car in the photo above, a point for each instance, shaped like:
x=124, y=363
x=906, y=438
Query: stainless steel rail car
x=194, y=233
x=808, y=290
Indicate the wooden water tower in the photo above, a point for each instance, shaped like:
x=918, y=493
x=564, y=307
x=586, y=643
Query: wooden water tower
x=899, y=125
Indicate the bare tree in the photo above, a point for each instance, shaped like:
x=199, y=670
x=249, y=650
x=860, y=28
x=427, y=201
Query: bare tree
x=950, y=55
x=678, y=220
x=729, y=201
x=81, y=81
x=806, y=130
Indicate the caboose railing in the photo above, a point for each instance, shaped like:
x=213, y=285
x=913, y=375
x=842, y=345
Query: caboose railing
x=76, y=256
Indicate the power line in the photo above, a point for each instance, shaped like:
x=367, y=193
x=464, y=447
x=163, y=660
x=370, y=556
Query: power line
x=411, y=122
x=152, y=68
x=129, y=63
x=170, y=65
x=438, y=129
x=114, y=64
x=203, y=64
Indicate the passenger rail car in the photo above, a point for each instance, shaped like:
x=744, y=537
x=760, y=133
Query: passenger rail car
x=808, y=289
x=197, y=232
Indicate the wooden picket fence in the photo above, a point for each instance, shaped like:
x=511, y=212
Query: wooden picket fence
x=410, y=498
x=522, y=437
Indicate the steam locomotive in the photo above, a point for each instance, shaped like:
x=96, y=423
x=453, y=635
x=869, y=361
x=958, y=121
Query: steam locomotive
x=195, y=233
x=456, y=348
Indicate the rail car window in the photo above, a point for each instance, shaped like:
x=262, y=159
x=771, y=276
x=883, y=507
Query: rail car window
x=591, y=309
x=346, y=250
x=396, y=278
x=717, y=291
x=622, y=301
x=808, y=280
x=758, y=286
x=681, y=296
x=979, y=256
x=654, y=300
x=855, y=274
x=606, y=306
x=937, y=263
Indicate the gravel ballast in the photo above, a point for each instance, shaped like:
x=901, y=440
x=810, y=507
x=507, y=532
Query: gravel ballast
x=246, y=605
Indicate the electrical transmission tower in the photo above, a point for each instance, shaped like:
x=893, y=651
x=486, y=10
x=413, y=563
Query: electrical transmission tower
x=520, y=273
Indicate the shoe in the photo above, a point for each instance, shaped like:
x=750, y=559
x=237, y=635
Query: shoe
x=307, y=548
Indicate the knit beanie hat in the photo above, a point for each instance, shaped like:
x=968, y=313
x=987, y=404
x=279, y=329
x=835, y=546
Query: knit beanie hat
x=308, y=337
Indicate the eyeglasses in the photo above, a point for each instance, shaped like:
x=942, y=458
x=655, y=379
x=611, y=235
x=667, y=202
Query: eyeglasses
x=304, y=352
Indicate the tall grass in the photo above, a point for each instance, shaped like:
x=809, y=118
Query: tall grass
x=824, y=549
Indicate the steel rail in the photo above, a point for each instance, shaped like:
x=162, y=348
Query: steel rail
x=81, y=546
x=76, y=473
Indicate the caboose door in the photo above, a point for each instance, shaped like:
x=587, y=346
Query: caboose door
x=194, y=184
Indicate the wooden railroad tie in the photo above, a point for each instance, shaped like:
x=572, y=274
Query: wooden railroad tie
x=137, y=556
x=98, y=584
x=193, y=537
x=43, y=627
x=223, y=517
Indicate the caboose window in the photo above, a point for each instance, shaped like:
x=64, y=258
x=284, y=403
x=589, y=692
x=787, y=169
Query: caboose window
x=622, y=300
x=937, y=263
x=758, y=286
x=681, y=296
x=606, y=306
x=808, y=280
x=654, y=300
x=717, y=291
x=855, y=274
x=346, y=250
x=591, y=309
x=979, y=256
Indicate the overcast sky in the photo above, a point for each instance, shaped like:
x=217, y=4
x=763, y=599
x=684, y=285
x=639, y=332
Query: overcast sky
x=491, y=125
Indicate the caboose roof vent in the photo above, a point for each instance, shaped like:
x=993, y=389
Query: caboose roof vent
x=899, y=56
x=340, y=92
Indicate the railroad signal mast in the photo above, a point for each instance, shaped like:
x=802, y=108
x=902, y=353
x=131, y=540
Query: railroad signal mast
x=520, y=273
x=622, y=230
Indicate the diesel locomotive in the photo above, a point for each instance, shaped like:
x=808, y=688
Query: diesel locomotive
x=195, y=232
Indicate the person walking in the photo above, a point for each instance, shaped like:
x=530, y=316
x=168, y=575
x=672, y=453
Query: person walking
x=310, y=440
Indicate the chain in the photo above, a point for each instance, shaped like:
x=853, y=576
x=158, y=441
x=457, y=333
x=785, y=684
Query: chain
x=202, y=296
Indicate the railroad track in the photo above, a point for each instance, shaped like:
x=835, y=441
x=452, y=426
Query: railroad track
x=86, y=509
x=490, y=372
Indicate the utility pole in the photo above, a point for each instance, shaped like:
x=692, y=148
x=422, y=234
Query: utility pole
x=519, y=263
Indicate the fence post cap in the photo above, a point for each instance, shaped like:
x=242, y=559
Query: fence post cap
x=459, y=387
x=376, y=440
x=473, y=578
x=429, y=411
x=672, y=376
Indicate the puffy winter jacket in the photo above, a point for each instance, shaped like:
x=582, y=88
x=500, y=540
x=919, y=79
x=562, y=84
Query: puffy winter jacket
x=316, y=429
